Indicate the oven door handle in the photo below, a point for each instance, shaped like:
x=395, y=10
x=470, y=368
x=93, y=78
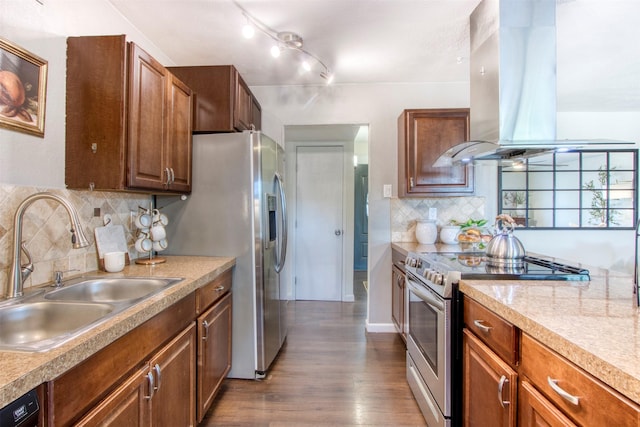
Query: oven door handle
x=425, y=296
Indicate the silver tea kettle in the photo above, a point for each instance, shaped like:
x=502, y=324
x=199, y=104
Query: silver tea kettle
x=505, y=249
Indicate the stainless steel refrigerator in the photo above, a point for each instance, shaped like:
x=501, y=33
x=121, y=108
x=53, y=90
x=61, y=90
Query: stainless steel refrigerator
x=237, y=208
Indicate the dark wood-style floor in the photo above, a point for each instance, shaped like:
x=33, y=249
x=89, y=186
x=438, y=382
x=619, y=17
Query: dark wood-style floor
x=330, y=372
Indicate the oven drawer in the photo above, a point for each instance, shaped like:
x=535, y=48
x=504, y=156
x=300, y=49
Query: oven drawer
x=500, y=335
x=587, y=401
x=428, y=406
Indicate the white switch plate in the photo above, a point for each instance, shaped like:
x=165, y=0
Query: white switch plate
x=386, y=190
x=433, y=213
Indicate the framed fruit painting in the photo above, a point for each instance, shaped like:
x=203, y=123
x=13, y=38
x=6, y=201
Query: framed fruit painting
x=23, y=88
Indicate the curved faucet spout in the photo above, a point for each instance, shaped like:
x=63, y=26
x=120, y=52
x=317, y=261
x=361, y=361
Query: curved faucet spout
x=19, y=273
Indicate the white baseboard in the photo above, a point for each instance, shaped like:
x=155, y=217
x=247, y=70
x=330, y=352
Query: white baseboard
x=384, y=328
x=348, y=298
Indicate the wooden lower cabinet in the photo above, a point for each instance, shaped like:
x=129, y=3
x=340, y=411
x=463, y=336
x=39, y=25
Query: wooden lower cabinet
x=214, y=352
x=128, y=405
x=550, y=389
x=164, y=372
x=489, y=386
x=162, y=393
x=173, y=400
x=534, y=410
x=398, y=300
x=577, y=394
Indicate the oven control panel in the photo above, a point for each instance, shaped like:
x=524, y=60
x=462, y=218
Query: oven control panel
x=436, y=275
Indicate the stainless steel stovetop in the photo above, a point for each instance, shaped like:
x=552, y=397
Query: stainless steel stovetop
x=442, y=270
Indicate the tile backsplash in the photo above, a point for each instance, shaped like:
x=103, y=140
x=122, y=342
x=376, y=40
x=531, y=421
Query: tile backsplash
x=405, y=213
x=46, y=229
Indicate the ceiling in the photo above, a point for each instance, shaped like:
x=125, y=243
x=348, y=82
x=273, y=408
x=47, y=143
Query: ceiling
x=394, y=41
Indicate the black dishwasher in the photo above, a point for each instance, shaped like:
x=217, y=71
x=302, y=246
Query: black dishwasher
x=22, y=412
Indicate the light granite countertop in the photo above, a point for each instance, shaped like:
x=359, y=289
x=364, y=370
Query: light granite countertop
x=594, y=324
x=23, y=371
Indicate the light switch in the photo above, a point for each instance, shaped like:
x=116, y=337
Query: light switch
x=386, y=190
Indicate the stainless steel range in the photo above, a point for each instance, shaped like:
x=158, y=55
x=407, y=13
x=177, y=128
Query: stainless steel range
x=434, y=353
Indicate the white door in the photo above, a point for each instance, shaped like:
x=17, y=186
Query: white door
x=319, y=222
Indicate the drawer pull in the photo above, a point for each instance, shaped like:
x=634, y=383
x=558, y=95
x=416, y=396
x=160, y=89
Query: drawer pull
x=152, y=388
x=566, y=396
x=205, y=325
x=158, y=375
x=480, y=325
x=503, y=380
x=219, y=288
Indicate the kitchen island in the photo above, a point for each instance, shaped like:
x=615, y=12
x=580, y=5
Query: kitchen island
x=23, y=371
x=595, y=324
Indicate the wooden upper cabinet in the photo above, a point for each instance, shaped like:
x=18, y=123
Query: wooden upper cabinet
x=423, y=135
x=147, y=127
x=243, y=106
x=179, y=141
x=223, y=101
x=128, y=119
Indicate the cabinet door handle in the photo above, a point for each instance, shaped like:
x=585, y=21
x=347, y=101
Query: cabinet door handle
x=152, y=388
x=205, y=325
x=173, y=176
x=574, y=400
x=503, y=381
x=166, y=183
x=480, y=325
x=411, y=182
x=159, y=376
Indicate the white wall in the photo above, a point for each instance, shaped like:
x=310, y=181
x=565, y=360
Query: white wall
x=378, y=106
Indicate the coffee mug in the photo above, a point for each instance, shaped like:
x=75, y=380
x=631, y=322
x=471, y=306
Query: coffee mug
x=143, y=220
x=158, y=233
x=160, y=245
x=144, y=244
x=159, y=218
x=114, y=261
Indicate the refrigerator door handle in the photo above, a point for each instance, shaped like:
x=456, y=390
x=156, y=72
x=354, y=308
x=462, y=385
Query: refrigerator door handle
x=281, y=254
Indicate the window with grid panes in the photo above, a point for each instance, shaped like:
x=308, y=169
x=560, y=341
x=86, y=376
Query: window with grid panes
x=577, y=189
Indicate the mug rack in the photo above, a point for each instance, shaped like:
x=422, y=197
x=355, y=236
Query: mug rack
x=152, y=258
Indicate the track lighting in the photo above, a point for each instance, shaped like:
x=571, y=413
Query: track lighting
x=248, y=30
x=284, y=40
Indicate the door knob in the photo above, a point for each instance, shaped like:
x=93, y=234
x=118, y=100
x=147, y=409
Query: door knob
x=338, y=232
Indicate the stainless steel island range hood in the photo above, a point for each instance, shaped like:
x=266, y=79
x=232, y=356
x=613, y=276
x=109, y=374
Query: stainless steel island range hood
x=513, y=84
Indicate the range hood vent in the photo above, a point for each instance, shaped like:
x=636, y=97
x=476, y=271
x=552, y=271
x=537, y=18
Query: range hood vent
x=513, y=84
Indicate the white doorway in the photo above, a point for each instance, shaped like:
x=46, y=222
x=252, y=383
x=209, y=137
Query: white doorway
x=319, y=222
x=304, y=264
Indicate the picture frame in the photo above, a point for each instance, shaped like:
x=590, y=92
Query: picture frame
x=23, y=89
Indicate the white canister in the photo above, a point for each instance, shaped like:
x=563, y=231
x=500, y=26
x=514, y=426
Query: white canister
x=426, y=232
x=449, y=234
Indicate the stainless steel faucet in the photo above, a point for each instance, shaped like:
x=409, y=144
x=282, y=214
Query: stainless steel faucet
x=20, y=272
